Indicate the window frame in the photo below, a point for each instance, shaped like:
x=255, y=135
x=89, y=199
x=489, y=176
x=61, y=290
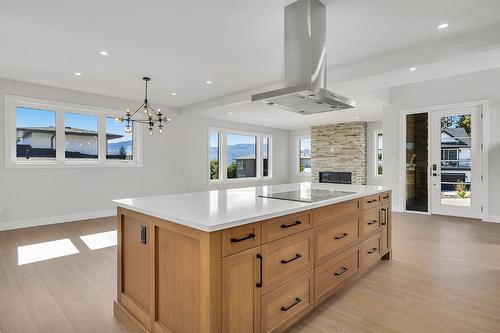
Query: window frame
x=11, y=102
x=222, y=135
x=376, y=133
x=297, y=156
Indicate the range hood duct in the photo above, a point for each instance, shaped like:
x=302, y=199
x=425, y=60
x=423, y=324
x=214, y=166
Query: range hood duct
x=305, y=63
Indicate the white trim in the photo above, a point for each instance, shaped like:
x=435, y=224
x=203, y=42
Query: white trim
x=492, y=219
x=222, y=133
x=11, y=161
x=484, y=104
x=9, y=225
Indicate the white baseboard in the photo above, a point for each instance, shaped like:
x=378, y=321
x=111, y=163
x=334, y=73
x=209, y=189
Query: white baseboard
x=9, y=225
x=492, y=218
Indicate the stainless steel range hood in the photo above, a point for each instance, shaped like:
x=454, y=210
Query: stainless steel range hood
x=305, y=63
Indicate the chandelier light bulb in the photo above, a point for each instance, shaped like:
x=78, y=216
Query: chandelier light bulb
x=118, y=119
x=128, y=129
x=160, y=128
x=150, y=130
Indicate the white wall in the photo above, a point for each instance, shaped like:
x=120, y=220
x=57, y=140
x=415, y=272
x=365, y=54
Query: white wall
x=293, y=154
x=371, y=177
x=173, y=162
x=483, y=85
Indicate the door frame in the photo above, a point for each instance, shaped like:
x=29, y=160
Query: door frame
x=484, y=105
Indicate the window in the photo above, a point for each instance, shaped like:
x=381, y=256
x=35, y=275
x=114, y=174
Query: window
x=265, y=156
x=42, y=133
x=119, y=143
x=214, y=155
x=35, y=134
x=235, y=155
x=81, y=136
x=304, y=154
x=379, y=153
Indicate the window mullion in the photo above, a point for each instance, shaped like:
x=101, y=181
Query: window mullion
x=60, y=137
x=101, y=137
x=259, y=172
x=222, y=156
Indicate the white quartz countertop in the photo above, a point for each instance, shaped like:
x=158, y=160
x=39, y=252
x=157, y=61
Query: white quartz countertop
x=222, y=209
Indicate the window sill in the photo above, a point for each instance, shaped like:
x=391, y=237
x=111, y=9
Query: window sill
x=70, y=164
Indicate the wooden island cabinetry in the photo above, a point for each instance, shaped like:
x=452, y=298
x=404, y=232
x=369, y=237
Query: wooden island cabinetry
x=257, y=277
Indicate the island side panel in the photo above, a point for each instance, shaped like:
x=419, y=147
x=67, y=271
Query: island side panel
x=184, y=287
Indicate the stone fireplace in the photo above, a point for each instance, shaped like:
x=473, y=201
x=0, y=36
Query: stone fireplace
x=340, y=148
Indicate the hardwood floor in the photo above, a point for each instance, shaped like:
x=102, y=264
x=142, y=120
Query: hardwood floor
x=444, y=277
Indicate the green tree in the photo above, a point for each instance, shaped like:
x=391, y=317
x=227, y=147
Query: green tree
x=214, y=169
x=465, y=122
x=231, y=170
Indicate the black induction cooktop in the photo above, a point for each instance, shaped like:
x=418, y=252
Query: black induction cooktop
x=309, y=195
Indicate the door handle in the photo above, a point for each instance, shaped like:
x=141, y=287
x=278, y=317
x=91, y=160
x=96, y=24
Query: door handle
x=143, y=234
x=259, y=284
x=286, y=308
x=341, y=236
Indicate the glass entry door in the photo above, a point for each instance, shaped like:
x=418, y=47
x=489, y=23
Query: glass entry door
x=455, y=169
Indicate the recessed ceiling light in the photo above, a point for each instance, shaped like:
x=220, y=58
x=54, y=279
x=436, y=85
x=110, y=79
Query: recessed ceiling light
x=267, y=119
x=208, y=82
x=173, y=94
x=104, y=53
x=294, y=124
x=229, y=113
x=412, y=69
x=443, y=26
x=77, y=73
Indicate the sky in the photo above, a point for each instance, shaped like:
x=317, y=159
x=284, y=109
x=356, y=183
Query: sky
x=26, y=117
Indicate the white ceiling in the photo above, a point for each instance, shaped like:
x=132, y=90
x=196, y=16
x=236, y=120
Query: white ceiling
x=237, y=44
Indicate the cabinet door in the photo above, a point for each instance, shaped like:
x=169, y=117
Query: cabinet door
x=135, y=266
x=241, y=290
x=385, y=223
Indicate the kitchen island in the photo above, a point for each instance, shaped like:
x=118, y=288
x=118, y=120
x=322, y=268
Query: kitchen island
x=234, y=261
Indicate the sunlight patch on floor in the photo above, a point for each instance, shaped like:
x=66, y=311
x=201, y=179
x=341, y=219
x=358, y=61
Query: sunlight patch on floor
x=28, y=254
x=100, y=240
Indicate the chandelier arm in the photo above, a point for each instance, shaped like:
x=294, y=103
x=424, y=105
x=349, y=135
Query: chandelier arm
x=140, y=107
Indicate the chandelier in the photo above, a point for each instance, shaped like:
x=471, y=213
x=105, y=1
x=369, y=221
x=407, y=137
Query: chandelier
x=151, y=117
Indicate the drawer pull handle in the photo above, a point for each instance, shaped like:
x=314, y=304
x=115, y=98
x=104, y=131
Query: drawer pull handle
x=372, y=251
x=372, y=201
x=286, y=308
x=259, y=284
x=237, y=240
x=372, y=222
x=386, y=197
x=284, y=226
x=341, y=236
x=342, y=271
x=384, y=220
x=297, y=256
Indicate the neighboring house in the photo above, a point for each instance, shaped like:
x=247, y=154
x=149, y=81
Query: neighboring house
x=246, y=166
x=41, y=141
x=455, y=158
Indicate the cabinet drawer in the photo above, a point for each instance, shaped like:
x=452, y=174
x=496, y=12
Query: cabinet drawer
x=370, y=201
x=336, y=236
x=330, y=274
x=284, y=226
x=287, y=304
x=369, y=251
x=385, y=197
x=241, y=238
x=330, y=213
x=369, y=221
x=287, y=258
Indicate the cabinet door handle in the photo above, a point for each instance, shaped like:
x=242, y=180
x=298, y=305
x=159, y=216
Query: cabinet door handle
x=237, y=240
x=297, y=256
x=372, y=251
x=372, y=222
x=341, y=236
x=384, y=220
x=286, y=308
x=372, y=201
x=143, y=234
x=386, y=197
x=284, y=226
x=342, y=271
x=259, y=284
